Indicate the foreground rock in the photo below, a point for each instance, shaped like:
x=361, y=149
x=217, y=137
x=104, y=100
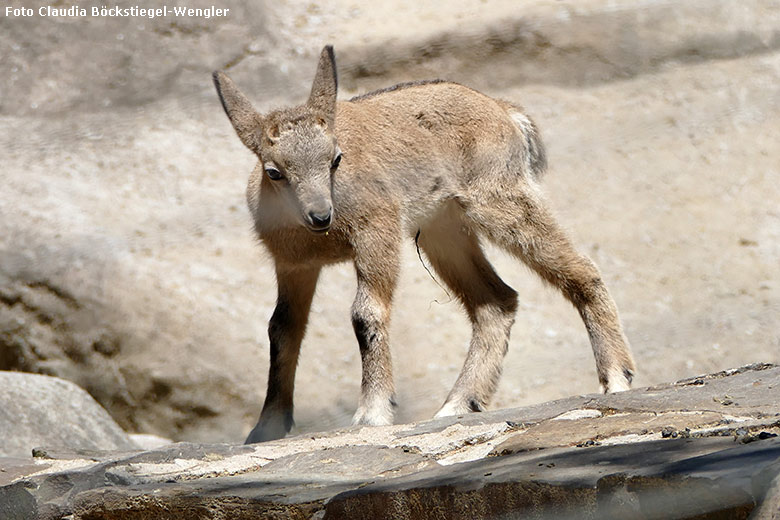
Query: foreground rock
x=39, y=410
x=127, y=263
x=704, y=448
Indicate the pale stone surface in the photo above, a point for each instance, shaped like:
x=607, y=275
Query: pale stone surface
x=127, y=264
x=769, y=509
x=40, y=410
x=146, y=441
x=689, y=457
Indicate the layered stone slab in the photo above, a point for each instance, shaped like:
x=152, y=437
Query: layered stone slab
x=702, y=447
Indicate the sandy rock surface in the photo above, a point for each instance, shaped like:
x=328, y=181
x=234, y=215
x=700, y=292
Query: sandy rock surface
x=127, y=264
x=705, y=447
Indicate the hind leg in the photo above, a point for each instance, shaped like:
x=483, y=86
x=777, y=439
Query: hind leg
x=524, y=226
x=456, y=256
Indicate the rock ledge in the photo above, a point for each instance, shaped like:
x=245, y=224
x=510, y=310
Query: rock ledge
x=703, y=447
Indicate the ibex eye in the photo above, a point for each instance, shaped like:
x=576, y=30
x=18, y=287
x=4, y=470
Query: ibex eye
x=336, y=161
x=273, y=174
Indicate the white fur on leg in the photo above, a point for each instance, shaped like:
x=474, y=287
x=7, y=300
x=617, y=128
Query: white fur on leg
x=452, y=408
x=617, y=382
x=379, y=412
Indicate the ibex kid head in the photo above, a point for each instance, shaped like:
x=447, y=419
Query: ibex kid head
x=296, y=147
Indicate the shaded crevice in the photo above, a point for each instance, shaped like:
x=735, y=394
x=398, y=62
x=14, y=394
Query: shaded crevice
x=540, y=60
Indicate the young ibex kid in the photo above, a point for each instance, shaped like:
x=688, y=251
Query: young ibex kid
x=432, y=160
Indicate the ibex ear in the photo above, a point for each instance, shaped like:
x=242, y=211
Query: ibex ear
x=239, y=110
x=325, y=86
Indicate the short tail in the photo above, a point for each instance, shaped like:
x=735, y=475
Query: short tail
x=535, y=156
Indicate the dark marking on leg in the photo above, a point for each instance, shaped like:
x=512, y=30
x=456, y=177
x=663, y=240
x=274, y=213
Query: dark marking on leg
x=361, y=332
x=280, y=321
x=475, y=405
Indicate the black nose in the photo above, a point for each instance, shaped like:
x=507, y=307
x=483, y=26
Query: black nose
x=320, y=220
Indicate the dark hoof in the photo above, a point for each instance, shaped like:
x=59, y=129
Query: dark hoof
x=270, y=429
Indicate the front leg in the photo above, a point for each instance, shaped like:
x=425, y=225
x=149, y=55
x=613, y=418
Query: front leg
x=285, y=332
x=376, y=264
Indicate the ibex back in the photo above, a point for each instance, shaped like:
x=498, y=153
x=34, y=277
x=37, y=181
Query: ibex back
x=434, y=160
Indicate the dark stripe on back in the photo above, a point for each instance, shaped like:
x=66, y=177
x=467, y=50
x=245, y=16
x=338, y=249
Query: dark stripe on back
x=400, y=86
